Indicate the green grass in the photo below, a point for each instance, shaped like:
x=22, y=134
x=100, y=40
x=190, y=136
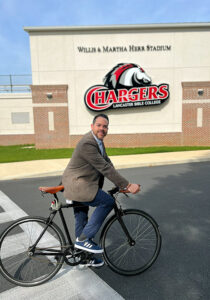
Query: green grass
x=28, y=152
x=145, y=150
x=23, y=153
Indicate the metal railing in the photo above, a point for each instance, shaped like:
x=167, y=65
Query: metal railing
x=15, y=83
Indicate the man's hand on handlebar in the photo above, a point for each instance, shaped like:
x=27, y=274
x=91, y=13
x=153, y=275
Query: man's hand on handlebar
x=133, y=188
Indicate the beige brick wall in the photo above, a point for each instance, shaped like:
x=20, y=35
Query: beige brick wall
x=195, y=122
x=191, y=134
x=16, y=139
x=59, y=93
x=50, y=133
x=196, y=129
x=135, y=140
x=45, y=138
x=190, y=90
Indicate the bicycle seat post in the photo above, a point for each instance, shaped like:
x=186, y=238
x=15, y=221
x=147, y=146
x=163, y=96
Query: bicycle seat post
x=55, y=205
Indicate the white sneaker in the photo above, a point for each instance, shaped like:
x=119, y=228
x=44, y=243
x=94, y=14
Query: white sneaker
x=69, y=201
x=93, y=262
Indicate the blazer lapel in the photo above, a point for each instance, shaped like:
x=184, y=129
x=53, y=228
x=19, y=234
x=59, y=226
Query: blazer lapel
x=99, y=150
x=94, y=140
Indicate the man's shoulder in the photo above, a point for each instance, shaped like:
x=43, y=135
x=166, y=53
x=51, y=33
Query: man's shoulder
x=87, y=138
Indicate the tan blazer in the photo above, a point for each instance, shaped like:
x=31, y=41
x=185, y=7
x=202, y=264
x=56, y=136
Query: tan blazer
x=86, y=170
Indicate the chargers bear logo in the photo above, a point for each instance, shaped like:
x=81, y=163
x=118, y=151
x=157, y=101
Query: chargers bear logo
x=126, y=76
x=126, y=85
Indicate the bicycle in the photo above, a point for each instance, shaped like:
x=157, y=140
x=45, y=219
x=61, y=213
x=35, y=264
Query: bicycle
x=33, y=249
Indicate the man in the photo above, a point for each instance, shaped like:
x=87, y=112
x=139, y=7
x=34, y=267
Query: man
x=83, y=181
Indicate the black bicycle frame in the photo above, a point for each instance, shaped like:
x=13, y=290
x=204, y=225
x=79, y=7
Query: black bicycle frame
x=118, y=213
x=48, y=222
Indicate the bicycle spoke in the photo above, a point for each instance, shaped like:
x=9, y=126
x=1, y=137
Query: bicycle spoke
x=14, y=264
x=131, y=258
x=30, y=267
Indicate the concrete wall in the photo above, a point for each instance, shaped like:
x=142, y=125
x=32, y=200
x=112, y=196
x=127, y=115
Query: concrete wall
x=16, y=119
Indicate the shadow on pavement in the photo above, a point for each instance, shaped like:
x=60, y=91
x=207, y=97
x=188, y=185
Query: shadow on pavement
x=178, y=197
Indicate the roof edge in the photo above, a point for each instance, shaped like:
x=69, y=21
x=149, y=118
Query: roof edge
x=118, y=27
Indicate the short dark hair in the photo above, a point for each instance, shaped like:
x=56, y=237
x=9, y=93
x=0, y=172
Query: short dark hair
x=102, y=116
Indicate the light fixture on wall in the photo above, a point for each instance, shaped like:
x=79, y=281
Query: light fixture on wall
x=200, y=92
x=49, y=96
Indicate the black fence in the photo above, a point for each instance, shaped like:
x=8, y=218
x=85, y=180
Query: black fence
x=15, y=83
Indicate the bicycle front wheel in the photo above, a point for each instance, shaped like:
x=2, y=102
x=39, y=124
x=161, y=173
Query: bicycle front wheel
x=119, y=254
x=26, y=267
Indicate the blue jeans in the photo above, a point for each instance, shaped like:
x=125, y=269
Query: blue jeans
x=103, y=203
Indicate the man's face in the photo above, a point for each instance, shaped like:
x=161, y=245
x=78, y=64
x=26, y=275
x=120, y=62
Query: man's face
x=100, y=128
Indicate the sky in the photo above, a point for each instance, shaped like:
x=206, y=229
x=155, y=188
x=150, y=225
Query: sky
x=16, y=14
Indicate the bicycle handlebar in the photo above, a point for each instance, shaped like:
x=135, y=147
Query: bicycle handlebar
x=113, y=191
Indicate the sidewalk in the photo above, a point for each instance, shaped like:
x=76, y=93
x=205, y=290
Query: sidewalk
x=55, y=167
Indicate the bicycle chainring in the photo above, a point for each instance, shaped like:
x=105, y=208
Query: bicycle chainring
x=75, y=257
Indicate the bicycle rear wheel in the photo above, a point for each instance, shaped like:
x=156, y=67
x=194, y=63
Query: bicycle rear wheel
x=127, y=259
x=22, y=266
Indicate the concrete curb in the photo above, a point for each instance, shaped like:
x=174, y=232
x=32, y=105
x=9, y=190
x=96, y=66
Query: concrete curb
x=45, y=168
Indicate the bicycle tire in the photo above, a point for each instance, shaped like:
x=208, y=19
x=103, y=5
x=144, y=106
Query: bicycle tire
x=120, y=256
x=16, y=263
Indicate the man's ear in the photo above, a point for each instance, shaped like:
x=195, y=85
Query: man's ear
x=91, y=126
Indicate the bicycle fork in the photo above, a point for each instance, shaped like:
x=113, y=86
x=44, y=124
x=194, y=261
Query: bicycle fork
x=119, y=215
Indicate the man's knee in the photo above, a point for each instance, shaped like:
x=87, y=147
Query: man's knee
x=111, y=201
x=108, y=200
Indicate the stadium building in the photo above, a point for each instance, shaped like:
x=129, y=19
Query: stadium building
x=153, y=81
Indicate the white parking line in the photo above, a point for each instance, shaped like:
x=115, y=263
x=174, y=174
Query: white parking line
x=5, y=217
x=70, y=283
x=12, y=210
x=16, y=243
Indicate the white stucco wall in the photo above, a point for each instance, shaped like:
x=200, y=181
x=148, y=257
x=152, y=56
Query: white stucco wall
x=16, y=114
x=56, y=60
